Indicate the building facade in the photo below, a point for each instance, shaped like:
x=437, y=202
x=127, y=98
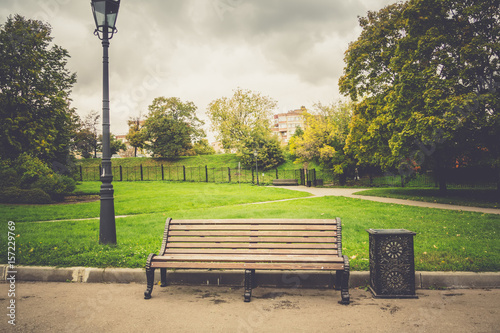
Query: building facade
x=285, y=124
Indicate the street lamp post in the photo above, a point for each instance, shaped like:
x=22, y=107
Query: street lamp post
x=105, y=14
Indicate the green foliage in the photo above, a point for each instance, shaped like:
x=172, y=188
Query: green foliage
x=34, y=92
x=24, y=196
x=30, y=173
x=86, y=140
x=202, y=147
x=427, y=72
x=115, y=145
x=324, y=138
x=235, y=119
x=136, y=137
x=171, y=127
x=268, y=149
x=8, y=175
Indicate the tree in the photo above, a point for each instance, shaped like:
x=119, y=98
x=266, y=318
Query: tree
x=324, y=138
x=135, y=136
x=235, y=119
x=172, y=126
x=427, y=72
x=34, y=93
x=268, y=149
x=115, y=145
x=87, y=137
x=202, y=147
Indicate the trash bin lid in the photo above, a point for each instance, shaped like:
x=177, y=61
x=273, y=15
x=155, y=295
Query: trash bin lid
x=390, y=232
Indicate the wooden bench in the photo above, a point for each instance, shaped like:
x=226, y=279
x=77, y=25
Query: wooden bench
x=276, y=244
x=285, y=182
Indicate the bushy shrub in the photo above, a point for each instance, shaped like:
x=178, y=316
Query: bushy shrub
x=27, y=173
x=55, y=185
x=8, y=175
x=26, y=196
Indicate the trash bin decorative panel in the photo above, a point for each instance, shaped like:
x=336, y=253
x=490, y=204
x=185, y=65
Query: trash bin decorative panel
x=392, y=267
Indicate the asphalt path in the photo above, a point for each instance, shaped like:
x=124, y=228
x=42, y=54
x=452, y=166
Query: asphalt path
x=99, y=307
x=350, y=193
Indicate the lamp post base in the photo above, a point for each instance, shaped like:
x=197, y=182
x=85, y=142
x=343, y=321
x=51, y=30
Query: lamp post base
x=107, y=228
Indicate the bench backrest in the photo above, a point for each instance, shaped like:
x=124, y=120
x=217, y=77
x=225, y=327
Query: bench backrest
x=258, y=243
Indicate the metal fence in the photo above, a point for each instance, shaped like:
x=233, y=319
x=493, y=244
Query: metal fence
x=484, y=178
x=455, y=178
x=190, y=174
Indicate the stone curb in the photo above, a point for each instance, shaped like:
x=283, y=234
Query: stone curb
x=306, y=279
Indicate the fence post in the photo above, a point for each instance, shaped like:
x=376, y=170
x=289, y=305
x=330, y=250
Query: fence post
x=121, y=173
x=81, y=174
x=184, y=172
x=206, y=173
x=229, y=173
x=162, y=173
x=277, y=177
x=141, y=172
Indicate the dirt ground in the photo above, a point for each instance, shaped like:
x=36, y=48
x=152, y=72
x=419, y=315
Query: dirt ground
x=87, y=307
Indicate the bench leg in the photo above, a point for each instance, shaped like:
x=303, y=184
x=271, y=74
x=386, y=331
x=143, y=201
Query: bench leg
x=344, y=283
x=163, y=272
x=338, y=280
x=249, y=277
x=150, y=276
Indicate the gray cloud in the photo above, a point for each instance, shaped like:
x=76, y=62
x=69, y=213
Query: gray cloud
x=200, y=50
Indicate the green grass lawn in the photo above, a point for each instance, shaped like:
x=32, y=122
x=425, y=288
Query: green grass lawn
x=146, y=197
x=445, y=240
x=464, y=197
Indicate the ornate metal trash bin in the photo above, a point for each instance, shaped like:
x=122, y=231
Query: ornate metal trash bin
x=392, y=266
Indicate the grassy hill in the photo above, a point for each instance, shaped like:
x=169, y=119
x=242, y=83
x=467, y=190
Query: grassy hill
x=212, y=161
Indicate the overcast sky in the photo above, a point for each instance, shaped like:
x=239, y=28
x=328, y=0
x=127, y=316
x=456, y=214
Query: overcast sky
x=201, y=50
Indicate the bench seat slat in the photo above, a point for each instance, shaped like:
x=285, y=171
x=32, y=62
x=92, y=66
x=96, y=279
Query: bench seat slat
x=254, y=245
x=291, y=227
x=209, y=239
x=236, y=265
x=251, y=251
x=255, y=222
x=253, y=233
x=249, y=258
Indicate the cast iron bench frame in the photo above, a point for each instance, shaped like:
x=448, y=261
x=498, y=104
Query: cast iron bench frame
x=250, y=244
x=282, y=182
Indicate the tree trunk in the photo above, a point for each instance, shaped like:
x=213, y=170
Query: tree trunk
x=498, y=185
x=135, y=151
x=441, y=176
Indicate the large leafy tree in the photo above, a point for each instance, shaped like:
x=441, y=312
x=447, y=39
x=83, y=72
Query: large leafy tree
x=236, y=118
x=243, y=122
x=261, y=147
x=34, y=93
x=324, y=137
x=425, y=74
x=171, y=127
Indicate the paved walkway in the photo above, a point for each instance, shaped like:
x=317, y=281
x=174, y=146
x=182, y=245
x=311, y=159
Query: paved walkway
x=349, y=192
x=99, y=307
